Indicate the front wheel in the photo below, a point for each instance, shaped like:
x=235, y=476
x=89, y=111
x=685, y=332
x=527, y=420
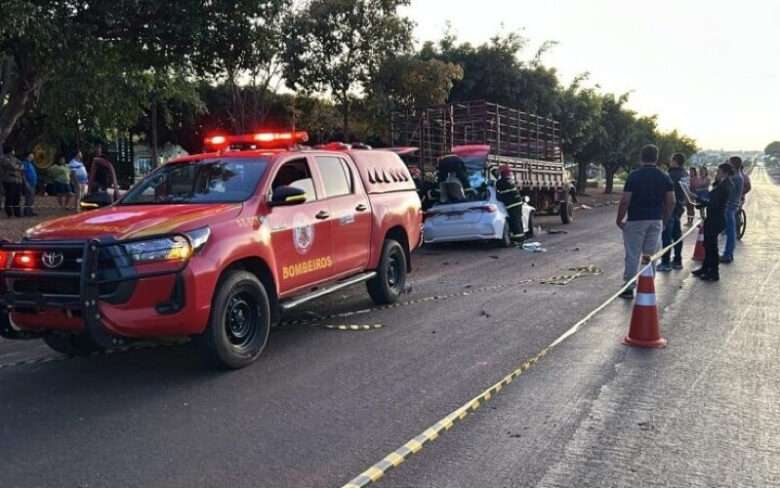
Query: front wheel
x=71, y=344
x=240, y=321
x=388, y=284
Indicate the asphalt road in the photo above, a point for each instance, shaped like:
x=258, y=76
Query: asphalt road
x=322, y=405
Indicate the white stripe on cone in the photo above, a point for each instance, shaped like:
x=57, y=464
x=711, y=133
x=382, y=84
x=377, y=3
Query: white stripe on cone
x=645, y=299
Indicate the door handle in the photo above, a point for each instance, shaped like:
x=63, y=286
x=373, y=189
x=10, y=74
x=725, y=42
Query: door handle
x=322, y=215
x=361, y=208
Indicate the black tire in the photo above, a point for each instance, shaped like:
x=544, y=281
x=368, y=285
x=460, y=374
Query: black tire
x=530, y=232
x=741, y=224
x=506, y=238
x=566, y=211
x=240, y=321
x=390, y=281
x=71, y=344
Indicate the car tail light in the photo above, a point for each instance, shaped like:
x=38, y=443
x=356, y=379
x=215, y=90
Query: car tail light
x=4, y=255
x=26, y=260
x=490, y=208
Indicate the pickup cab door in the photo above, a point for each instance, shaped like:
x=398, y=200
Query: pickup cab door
x=301, y=234
x=350, y=209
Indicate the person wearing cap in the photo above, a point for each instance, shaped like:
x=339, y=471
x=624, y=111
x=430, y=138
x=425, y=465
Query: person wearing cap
x=508, y=194
x=715, y=222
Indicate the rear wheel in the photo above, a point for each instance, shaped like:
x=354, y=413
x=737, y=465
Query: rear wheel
x=390, y=280
x=71, y=344
x=566, y=211
x=506, y=236
x=240, y=321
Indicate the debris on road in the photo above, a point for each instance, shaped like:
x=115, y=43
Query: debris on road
x=533, y=247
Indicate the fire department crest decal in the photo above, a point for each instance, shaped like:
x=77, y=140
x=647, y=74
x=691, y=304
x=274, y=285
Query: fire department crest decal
x=303, y=234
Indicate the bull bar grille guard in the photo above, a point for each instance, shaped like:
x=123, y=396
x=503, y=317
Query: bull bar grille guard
x=90, y=277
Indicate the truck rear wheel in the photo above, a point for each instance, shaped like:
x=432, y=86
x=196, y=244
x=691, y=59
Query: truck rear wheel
x=240, y=321
x=71, y=344
x=390, y=280
x=567, y=212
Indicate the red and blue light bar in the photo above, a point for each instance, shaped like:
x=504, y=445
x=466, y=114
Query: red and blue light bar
x=263, y=140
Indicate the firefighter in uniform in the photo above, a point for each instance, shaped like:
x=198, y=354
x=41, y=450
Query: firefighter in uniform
x=509, y=195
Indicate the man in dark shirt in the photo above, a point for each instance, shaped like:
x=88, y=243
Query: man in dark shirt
x=648, y=199
x=673, y=229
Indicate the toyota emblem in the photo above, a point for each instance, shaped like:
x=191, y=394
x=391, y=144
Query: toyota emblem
x=52, y=259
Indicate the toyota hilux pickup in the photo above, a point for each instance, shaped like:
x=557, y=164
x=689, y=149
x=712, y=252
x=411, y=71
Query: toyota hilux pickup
x=215, y=247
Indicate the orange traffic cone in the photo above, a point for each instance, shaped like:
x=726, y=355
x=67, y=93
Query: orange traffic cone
x=698, y=252
x=645, y=331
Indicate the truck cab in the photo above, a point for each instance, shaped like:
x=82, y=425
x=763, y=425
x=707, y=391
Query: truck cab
x=215, y=246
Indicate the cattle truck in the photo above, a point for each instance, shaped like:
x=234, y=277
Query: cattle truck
x=529, y=144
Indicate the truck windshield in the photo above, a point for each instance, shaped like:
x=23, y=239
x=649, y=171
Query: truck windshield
x=208, y=181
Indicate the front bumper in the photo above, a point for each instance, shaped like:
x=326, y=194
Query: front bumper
x=96, y=275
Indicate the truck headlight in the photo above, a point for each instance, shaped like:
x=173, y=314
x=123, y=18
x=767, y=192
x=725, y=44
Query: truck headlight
x=174, y=248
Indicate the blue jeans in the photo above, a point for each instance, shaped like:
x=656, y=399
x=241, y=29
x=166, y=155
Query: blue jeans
x=672, y=232
x=731, y=231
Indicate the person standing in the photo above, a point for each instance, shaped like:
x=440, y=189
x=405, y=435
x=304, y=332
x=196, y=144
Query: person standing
x=715, y=222
x=702, y=189
x=78, y=178
x=673, y=228
x=30, y=184
x=732, y=207
x=11, y=169
x=508, y=194
x=60, y=175
x=648, y=201
x=693, y=180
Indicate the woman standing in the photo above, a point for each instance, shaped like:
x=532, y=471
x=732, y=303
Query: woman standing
x=702, y=189
x=60, y=174
x=715, y=222
x=693, y=180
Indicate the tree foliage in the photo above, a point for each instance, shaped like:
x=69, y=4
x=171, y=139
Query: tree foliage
x=773, y=149
x=336, y=47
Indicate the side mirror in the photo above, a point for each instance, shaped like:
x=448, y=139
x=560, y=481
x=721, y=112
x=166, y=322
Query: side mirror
x=287, y=195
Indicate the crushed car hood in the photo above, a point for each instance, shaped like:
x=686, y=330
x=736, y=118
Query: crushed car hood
x=132, y=221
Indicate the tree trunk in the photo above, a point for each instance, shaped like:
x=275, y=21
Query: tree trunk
x=19, y=99
x=582, y=177
x=610, y=178
x=153, y=116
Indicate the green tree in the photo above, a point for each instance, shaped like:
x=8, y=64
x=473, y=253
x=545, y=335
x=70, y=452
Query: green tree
x=239, y=46
x=579, y=115
x=337, y=46
x=43, y=43
x=494, y=71
x=773, y=149
x=407, y=82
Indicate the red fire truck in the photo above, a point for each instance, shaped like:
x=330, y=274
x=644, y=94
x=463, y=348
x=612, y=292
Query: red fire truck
x=215, y=246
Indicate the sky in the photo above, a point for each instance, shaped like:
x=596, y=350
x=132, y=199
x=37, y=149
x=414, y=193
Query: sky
x=710, y=68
